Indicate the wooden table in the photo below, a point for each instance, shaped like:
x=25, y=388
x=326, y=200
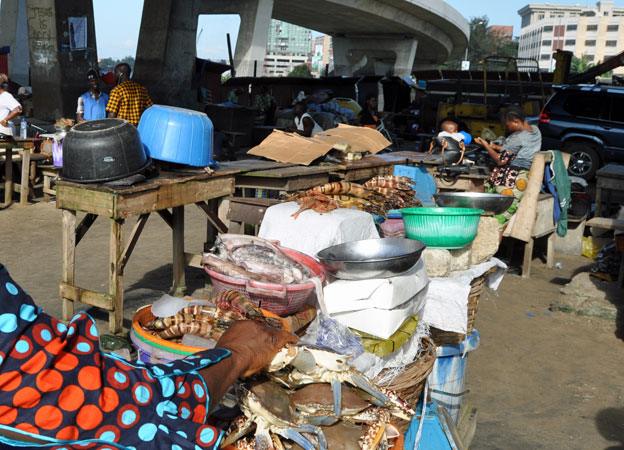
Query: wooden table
x=613, y=225
x=24, y=148
x=285, y=179
x=368, y=167
x=610, y=178
x=166, y=195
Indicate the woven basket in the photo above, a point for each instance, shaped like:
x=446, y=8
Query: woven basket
x=441, y=337
x=410, y=383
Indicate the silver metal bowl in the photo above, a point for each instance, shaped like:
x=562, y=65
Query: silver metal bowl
x=371, y=258
x=489, y=203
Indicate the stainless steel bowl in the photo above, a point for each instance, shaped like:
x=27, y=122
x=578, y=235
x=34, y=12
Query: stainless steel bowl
x=489, y=203
x=371, y=258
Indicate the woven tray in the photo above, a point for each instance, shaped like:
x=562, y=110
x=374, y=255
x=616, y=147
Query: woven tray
x=410, y=383
x=441, y=337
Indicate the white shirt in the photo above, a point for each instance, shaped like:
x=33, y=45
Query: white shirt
x=7, y=104
x=299, y=124
x=457, y=136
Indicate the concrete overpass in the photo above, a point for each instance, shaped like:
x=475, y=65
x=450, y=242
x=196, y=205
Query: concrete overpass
x=370, y=37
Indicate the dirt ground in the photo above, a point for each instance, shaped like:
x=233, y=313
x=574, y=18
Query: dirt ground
x=540, y=380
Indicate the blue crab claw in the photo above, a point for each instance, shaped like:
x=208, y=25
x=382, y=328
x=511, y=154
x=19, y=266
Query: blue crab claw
x=363, y=383
x=294, y=434
x=337, y=392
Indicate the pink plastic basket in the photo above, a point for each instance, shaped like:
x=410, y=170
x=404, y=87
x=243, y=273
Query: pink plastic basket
x=282, y=299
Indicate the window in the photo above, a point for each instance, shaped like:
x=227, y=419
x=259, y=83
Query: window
x=590, y=57
x=590, y=43
x=559, y=30
x=571, y=28
x=592, y=27
x=548, y=28
x=540, y=17
x=617, y=108
x=570, y=42
x=545, y=57
x=611, y=43
x=613, y=27
x=558, y=44
x=585, y=105
x=547, y=42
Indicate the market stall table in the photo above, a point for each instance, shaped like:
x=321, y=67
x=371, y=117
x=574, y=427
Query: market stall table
x=611, y=179
x=24, y=149
x=166, y=195
x=368, y=167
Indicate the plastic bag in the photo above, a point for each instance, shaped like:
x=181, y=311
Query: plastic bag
x=328, y=333
x=590, y=247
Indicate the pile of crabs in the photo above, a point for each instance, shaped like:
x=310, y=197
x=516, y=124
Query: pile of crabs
x=311, y=398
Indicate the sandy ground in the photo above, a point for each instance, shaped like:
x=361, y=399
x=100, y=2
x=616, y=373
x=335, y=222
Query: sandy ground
x=539, y=380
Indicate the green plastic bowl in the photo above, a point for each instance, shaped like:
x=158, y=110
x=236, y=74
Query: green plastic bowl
x=442, y=227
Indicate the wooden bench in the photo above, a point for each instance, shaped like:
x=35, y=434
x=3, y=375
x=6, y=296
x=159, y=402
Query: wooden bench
x=614, y=225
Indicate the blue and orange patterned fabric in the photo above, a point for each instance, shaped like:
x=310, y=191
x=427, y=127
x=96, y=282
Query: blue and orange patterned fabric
x=58, y=387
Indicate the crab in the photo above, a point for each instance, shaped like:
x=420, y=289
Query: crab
x=267, y=406
x=315, y=365
x=314, y=404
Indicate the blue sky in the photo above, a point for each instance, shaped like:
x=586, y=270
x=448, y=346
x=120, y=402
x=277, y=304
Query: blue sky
x=117, y=24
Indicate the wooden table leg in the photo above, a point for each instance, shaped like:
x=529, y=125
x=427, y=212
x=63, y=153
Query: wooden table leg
x=69, y=259
x=179, y=261
x=115, y=280
x=550, y=250
x=8, y=177
x=528, y=258
x=598, y=211
x=25, y=180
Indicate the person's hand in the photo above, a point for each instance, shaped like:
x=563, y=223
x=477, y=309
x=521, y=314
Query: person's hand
x=4, y=123
x=480, y=141
x=253, y=344
x=444, y=144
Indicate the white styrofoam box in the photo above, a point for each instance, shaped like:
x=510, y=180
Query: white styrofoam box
x=382, y=323
x=380, y=293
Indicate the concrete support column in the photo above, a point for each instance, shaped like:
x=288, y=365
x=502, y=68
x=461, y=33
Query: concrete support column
x=379, y=55
x=252, y=37
x=165, y=61
x=14, y=33
x=58, y=74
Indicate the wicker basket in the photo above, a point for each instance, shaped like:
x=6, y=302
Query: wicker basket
x=410, y=383
x=441, y=337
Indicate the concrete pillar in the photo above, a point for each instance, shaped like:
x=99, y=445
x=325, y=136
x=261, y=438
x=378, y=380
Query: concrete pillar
x=58, y=75
x=379, y=55
x=166, y=51
x=14, y=33
x=252, y=37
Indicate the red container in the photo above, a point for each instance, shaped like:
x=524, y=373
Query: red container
x=282, y=299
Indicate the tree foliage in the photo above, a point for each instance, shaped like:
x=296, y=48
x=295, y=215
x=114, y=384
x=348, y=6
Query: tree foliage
x=485, y=42
x=110, y=63
x=580, y=65
x=301, y=71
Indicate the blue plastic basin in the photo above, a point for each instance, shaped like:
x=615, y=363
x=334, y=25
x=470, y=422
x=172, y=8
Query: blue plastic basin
x=177, y=135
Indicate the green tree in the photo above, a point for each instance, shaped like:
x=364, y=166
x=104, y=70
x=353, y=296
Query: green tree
x=484, y=42
x=300, y=71
x=580, y=65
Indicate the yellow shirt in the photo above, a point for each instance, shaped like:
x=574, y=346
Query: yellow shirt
x=128, y=100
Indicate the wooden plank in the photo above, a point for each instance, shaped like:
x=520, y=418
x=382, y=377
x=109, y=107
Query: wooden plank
x=193, y=260
x=166, y=216
x=8, y=177
x=172, y=195
x=132, y=241
x=365, y=174
x=86, y=296
x=611, y=171
x=294, y=171
x=251, y=213
x=250, y=165
x=178, y=288
x=282, y=184
x=84, y=226
x=68, y=265
x=550, y=251
x=212, y=216
x=115, y=281
x=606, y=223
x=24, y=187
x=527, y=258
x=83, y=198
x=614, y=184
x=544, y=223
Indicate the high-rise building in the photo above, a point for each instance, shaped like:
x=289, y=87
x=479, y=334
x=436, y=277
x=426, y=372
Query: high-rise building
x=596, y=33
x=288, y=46
x=322, y=55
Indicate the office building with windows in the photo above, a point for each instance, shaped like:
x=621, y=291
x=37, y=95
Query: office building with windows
x=288, y=46
x=596, y=33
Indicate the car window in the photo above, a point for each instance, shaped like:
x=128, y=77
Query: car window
x=617, y=108
x=585, y=105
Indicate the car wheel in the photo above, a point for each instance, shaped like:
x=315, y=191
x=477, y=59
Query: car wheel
x=584, y=160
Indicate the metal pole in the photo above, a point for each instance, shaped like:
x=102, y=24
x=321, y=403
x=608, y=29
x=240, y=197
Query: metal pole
x=255, y=67
x=229, y=45
x=326, y=70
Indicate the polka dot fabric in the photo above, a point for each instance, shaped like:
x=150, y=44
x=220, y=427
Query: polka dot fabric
x=56, y=385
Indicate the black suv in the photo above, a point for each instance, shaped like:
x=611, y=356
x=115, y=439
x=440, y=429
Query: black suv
x=586, y=121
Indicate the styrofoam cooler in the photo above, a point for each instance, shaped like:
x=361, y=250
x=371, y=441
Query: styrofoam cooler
x=446, y=381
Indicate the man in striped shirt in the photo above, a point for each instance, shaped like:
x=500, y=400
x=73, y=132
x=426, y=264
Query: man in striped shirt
x=128, y=99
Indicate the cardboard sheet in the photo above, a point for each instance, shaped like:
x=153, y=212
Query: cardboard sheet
x=294, y=148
